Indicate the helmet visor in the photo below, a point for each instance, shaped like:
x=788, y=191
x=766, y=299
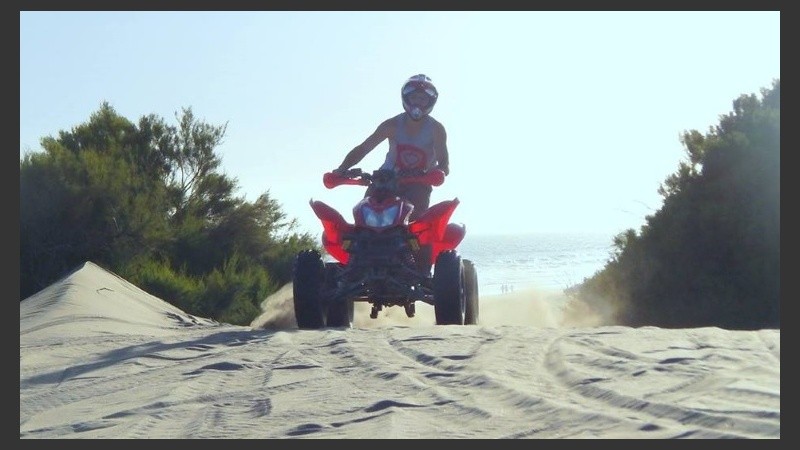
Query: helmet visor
x=411, y=87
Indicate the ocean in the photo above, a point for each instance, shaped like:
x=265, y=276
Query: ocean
x=553, y=261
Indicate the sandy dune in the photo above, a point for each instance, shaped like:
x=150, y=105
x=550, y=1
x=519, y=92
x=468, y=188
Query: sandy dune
x=100, y=358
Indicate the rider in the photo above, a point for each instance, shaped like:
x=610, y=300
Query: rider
x=417, y=141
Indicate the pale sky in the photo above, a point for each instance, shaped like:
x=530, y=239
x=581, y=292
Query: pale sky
x=556, y=121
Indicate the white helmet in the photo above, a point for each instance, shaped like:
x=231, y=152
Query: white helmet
x=419, y=83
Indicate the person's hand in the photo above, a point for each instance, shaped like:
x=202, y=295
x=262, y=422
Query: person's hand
x=339, y=171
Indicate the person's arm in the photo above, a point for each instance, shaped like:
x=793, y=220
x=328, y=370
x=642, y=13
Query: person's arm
x=440, y=146
x=361, y=150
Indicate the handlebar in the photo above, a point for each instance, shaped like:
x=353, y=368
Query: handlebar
x=356, y=176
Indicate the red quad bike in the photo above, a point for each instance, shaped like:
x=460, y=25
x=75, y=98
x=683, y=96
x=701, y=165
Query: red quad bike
x=376, y=257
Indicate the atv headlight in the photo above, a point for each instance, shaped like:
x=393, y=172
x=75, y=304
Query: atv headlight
x=380, y=219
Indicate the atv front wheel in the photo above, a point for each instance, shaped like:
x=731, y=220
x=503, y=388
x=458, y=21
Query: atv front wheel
x=448, y=289
x=307, y=278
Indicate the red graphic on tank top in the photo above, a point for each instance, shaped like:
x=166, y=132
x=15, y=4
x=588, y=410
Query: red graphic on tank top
x=410, y=157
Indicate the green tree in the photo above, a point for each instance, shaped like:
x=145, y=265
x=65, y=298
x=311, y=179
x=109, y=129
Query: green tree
x=711, y=255
x=88, y=197
x=149, y=203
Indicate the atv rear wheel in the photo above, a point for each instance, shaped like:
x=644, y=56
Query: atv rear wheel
x=340, y=313
x=307, y=278
x=470, y=293
x=448, y=289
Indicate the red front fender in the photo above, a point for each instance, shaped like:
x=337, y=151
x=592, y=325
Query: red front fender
x=334, y=228
x=432, y=228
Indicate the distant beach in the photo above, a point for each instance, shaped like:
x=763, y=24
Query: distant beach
x=552, y=261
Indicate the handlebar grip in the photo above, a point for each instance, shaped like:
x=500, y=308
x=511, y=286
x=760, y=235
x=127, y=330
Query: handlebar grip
x=434, y=177
x=331, y=180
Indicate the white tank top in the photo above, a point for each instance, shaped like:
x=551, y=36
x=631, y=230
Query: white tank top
x=411, y=152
